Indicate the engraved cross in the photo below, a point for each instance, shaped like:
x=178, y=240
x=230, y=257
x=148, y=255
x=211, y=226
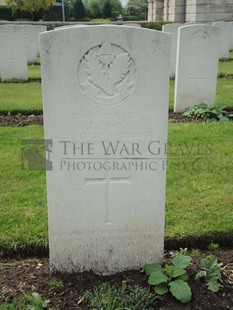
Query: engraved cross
x=197, y=79
x=109, y=182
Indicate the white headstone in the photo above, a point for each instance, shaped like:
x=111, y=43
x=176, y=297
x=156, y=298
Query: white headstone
x=69, y=26
x=197, y=65
x=106, y=206
x=32, y=39
x=133, y=25
x=40, y=29
x=13, y=58
x=223, y=40
x=231, y=35
x=173, y=30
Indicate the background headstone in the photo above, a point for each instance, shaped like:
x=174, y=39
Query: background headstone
x=40, y=29
x=197, y=66
x=113, y=87
x=231, y=35
x=13, y=55
x=32, y=42
x=223, y=39
x=173, y=30
x=133, y=25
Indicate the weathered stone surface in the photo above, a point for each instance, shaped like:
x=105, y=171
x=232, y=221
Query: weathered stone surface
x=13, y=57
x=106, y=201
x=223, y=40
x=190, y=10
x=172, y=29
x=197, y=65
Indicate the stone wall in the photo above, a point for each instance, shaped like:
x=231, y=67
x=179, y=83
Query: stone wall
x=190, y=10
x=209, y=10
x=174, y=11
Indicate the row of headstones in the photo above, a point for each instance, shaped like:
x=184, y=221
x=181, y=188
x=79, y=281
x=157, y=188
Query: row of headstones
x=19, y=46
x=196, y=75
x=110, y=86
x=225, y=41
x=195, y=51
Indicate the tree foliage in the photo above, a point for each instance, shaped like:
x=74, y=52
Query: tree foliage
x=99, y=8
x=107, y=9
x=31, y=6
x=79, y=9
x=137, y=8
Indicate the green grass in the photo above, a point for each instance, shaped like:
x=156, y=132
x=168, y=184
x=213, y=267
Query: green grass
x=20, y=96
x=199, y=191
x=224, y=93
x=23, y=218
x=199, y=199
x=225, y=67
x=34, y=72
x=171, y=94
x=27, y=96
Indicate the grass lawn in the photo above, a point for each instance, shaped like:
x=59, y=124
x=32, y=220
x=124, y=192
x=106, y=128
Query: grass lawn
x=27, y=96
x=225, y=67
x=224, y=94
x=20, y=96
x=199, y=198
x=34, y=72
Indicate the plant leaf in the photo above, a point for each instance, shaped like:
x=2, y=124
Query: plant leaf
x=181, y=290
x=209, y=261
x=184, y=277
x=150, y=268
x=178, y=272
x=181, y=261
x=200, y=274
x=161, y=289
x=223, y=118
x=213, y=285
x=157, y=277
x=168, y=269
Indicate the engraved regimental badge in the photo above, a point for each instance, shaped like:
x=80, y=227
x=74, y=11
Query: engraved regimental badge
x=106, y=74
x=200, y=40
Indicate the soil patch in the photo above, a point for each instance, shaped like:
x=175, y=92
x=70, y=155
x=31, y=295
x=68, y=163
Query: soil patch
x=20, y=120
x=24, y=120
x=34, y=276
x=37, y=119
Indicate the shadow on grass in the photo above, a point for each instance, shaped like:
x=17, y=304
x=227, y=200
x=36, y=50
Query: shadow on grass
x=224, y=239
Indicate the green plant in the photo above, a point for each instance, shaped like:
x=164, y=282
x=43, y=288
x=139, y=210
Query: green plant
x=56, y=286
x=207, y=113
x=30, y=6
x=108, y=297
x=213, y=246
x=221, y=75
x=211, y=272
x=79, y=9
x=37, y=302
x=180, y=252
x=137, y=297
x=172, y=277
x=154, y=25
x=104, y=297
x=15, y=305
x=195, y=253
